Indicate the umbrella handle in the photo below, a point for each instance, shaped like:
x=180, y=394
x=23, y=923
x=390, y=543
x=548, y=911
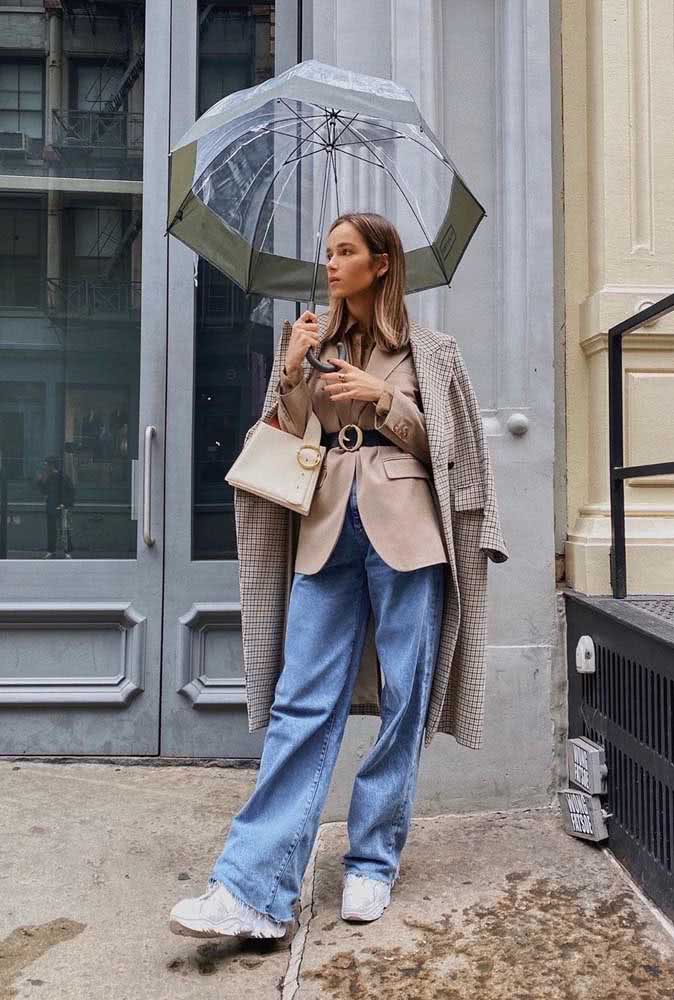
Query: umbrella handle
x=325, y=366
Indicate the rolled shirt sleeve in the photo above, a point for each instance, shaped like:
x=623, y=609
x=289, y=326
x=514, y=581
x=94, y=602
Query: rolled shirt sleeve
x=383, y=404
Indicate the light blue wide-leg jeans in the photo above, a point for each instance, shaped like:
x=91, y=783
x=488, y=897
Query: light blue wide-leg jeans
x=270, y=839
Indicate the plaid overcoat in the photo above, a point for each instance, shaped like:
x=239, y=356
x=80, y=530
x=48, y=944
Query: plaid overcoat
x=464, y=495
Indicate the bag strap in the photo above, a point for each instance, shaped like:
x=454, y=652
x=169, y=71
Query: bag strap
x=313, y=431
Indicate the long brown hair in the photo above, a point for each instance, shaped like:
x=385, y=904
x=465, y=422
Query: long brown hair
x=390, y=319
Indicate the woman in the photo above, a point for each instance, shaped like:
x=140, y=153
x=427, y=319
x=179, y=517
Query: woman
x=372, y=543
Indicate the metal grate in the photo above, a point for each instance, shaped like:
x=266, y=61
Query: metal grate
x=627, y=706
x=663, y=607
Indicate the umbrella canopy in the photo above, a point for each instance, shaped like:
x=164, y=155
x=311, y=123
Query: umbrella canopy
x=256, y=181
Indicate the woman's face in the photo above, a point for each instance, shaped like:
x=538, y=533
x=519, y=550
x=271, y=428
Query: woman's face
x=350, y=266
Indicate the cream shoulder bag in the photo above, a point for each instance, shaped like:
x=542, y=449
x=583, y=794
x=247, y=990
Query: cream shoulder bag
x=280, y=466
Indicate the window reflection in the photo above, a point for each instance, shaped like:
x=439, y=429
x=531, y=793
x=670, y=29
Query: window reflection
x=70, y=279
x=234, y=333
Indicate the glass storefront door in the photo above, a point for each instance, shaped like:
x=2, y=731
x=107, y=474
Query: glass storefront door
x=221, y=347
x=82, y=384
x=131, y=372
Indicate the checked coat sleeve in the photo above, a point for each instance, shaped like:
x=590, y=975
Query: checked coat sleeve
x=463, y=400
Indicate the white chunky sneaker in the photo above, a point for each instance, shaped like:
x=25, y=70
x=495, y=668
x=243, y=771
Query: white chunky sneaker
x=364, y=898
x=218, y=913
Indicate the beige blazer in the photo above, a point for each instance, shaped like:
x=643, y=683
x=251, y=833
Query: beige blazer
x=395, y=500
x=463, y=484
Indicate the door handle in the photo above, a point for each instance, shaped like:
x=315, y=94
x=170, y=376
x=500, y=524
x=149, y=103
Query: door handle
x=150, y=432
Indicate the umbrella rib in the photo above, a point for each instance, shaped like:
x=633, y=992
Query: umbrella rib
x=398, y=135
x=221, y=166
x=390, y=138
x=303, y=156
x=355, y=156
x=423, y=227
x=375, y=124
x=411, y=138
x=429, y=149
x=334, y=170
x=407, y=138
x=252, y=139
x=262, y=166
x=294, y=117
x=299, y=117
x=341, y=147
x=266, y=194
x=345, y=127
x=320, y=230
x=290, y=135
x=286, y=161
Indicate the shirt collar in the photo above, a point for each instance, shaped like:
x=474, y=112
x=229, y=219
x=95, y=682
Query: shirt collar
x=352, y=322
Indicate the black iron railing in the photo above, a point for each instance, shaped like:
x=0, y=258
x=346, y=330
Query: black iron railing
x=102, y=130
x=619, y=472
x=93, y=298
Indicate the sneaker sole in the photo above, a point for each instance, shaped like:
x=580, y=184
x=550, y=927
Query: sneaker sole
x=204, y=929
x=363, y=916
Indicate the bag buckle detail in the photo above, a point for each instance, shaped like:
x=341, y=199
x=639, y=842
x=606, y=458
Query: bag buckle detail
x=313, y=462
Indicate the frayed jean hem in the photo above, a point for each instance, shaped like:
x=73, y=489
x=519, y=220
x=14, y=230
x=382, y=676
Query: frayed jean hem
x=214, y=880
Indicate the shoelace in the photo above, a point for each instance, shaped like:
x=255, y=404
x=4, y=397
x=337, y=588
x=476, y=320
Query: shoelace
x=210, y=890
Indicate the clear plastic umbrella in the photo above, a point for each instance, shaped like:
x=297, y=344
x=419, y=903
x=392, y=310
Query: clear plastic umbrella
x=257, y=180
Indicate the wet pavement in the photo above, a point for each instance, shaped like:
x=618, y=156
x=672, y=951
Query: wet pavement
x=493, y=906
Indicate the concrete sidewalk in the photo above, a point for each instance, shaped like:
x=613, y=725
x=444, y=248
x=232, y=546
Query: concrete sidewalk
x=495, y=906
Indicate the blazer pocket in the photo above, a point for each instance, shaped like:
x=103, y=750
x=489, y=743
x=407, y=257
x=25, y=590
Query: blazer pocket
x=397, y=468
x=469, y=496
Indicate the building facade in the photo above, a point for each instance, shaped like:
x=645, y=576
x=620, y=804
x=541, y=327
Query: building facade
x=131, y=370
x=619, y=258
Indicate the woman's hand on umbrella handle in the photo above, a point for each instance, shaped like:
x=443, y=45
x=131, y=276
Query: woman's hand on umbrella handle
x=304, y=336
x=303, y=339
x=321, y=366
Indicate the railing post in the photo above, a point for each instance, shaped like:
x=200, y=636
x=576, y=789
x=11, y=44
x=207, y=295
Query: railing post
x=617, y=483
x=617, y=469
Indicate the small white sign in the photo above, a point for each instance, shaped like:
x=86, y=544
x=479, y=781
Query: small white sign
x=586, y=763
x=583, y=815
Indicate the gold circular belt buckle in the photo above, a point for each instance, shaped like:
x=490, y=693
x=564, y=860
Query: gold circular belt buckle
x=313, y=462
x=341, y=438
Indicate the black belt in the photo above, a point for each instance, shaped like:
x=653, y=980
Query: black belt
x=351, y=438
